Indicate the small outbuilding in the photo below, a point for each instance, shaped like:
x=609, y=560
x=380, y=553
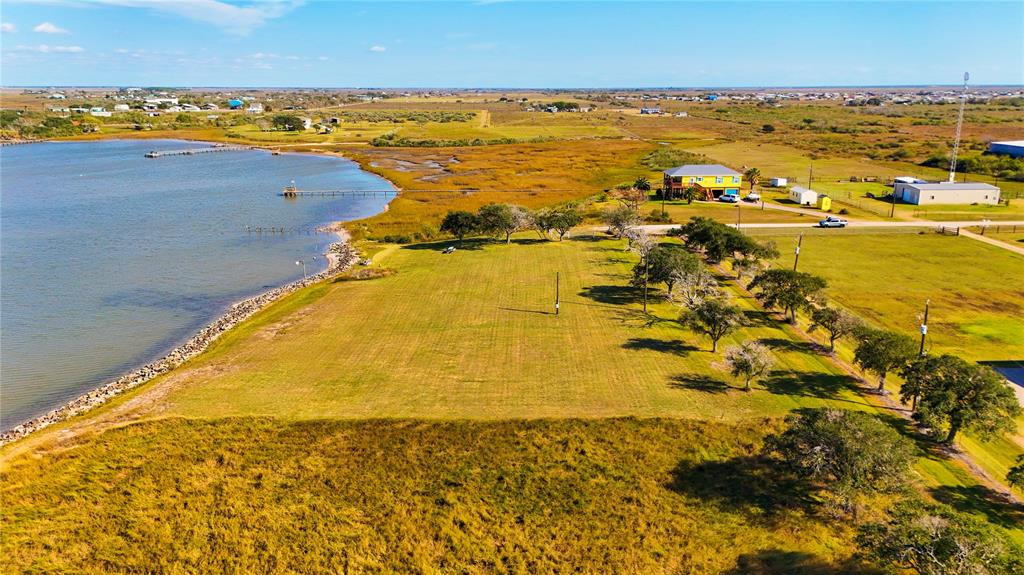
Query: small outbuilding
x=803, y=196
x=779, y=182
x=921, y=194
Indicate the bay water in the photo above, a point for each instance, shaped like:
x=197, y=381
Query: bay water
x=109, y=259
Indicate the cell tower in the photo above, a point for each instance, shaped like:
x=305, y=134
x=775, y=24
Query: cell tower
x=959, y=125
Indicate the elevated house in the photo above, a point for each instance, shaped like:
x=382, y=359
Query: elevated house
x=712, y=180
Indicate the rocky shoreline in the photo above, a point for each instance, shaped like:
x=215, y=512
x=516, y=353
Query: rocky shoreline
x=341, y=256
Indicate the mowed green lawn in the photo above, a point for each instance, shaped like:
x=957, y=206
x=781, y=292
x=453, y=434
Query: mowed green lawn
x=976, y=293
x=976, y=290
x=473, y=335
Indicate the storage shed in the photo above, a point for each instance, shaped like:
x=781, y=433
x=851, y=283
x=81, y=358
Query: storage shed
x=803, y=196
x=779, y=182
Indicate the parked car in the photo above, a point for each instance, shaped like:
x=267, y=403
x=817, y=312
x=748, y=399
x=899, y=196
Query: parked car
x=832, y=222
x=729, y=198
x=753, y=197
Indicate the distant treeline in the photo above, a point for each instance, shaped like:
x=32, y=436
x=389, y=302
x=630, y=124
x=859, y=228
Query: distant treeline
x=397, y=117
x=1000, y=166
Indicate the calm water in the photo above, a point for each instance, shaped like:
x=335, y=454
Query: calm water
x=110, y=259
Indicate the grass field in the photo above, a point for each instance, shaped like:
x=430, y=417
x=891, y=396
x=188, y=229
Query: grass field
x=639, y=496
x=277, y=430
x=471, y=335
x=976, y=293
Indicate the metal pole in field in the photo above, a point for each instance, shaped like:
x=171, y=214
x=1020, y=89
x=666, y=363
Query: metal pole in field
x=892, y=209
x=796, y=252
x=924, y=327
x=557, y=291
x=737, y=215
x=646, y=268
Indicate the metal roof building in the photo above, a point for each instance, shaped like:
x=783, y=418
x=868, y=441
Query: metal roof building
x=1013, y=148
x=701, y=170
x=946, y=193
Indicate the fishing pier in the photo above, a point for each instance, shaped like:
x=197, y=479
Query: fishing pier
x=194, y=151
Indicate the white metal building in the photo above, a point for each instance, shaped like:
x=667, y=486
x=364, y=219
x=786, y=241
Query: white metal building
x=779, y=182
x=946, y=193
x=803, y=196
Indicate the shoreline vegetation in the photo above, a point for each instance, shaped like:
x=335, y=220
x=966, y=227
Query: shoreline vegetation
x=341, y=255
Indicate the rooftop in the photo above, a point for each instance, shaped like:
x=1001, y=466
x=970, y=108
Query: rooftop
x=701, y=170
x=1011, y=143
x=939, y=186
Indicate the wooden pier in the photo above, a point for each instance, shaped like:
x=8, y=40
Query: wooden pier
x=194, y=151
x=292, y=192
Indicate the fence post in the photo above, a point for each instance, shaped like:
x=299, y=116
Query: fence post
x=958, y=230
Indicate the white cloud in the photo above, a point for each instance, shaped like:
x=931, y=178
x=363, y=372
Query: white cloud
x=8, y=27
x=378, y=49
x=49, y=28
x=46, y=49
x=233, y=18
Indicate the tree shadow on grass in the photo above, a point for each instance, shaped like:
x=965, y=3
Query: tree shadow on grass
x=466, y=244
x=613, y=294
x=673, y=346
x=746, y=484
x=785, y=562
x=978, y=499
x=783, y=344
x=759, y=319
x=699, y=382
x=529, y=241
x=810, y=384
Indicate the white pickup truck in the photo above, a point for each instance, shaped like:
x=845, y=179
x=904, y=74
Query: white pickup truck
x=832, y=222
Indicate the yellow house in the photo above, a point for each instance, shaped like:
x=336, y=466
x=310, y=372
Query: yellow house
x=712, y=180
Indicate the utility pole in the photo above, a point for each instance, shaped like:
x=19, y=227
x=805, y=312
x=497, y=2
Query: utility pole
x=810, y=176
x=796, y=252
x=647, y=264
x=924, y=327
x=557, y=291
x=892, y=210
x=738, y=215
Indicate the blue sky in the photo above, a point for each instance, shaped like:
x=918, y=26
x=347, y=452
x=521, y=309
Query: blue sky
x=507, y=44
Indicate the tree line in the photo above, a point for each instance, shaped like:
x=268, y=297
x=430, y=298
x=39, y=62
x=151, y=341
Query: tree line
x=507, y=219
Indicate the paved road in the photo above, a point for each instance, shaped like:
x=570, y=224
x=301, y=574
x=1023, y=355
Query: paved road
x=662, y=228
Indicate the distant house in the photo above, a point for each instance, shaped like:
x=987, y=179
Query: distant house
x=211, y=106
x=307, y=123
x=920, y=194
x=779, y=182
x=56, y=96
x=712, y=180
x=235, y=104
x=121, y=107
x=256, y=108
x=711, y=97
x=1013, y=148
x=652, y=111
x=803, y=196
x=99, y=112
x=681, y=114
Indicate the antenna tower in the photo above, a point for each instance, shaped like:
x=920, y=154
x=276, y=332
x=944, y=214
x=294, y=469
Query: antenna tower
x=959, y=125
